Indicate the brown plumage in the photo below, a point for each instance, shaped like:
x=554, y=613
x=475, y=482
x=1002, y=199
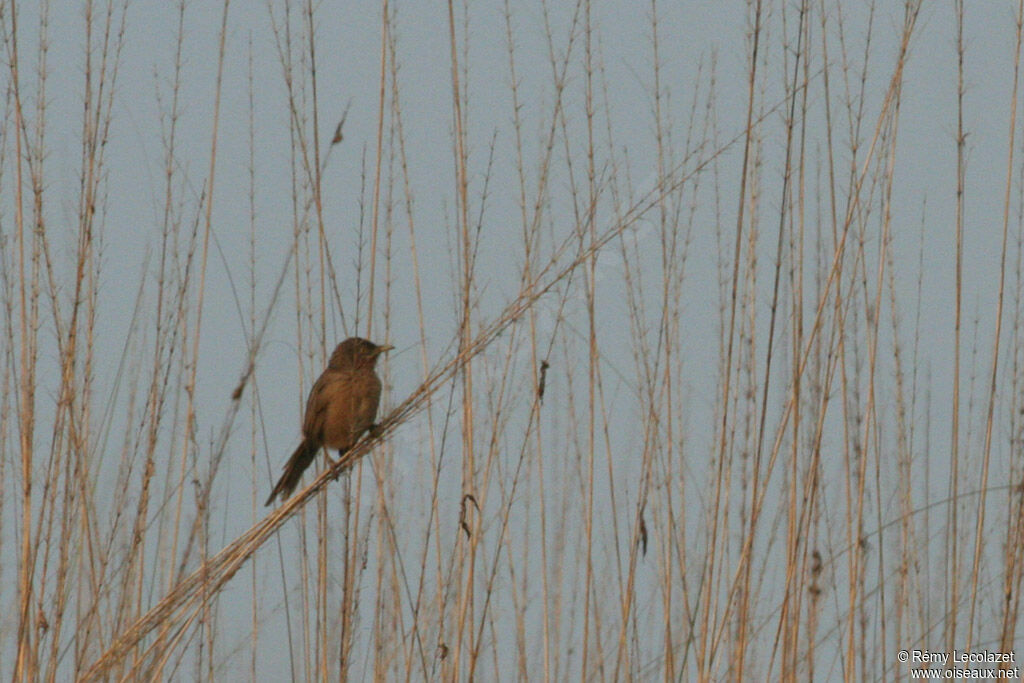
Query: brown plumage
x=341, y=406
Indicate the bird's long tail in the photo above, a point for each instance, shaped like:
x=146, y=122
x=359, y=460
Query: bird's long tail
x=293, y=470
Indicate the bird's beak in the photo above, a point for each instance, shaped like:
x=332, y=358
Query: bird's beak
x=383, y=349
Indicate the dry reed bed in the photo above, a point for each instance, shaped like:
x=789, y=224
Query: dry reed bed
x=666, y=414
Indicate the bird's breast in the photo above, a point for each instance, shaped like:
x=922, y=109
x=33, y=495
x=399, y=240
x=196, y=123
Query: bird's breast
x=350, y=406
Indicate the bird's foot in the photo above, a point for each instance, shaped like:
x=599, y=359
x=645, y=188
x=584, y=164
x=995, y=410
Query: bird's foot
x=332, y=464
x=375, y=431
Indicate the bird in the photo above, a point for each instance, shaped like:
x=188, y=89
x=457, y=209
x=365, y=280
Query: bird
x=342, y=405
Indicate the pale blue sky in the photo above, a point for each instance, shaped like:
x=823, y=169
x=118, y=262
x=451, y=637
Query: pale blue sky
x=696, y=40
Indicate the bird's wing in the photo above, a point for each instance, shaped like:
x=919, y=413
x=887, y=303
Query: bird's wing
x=317, y=404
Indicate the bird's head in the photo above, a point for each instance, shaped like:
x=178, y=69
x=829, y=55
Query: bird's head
x=357, y=352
